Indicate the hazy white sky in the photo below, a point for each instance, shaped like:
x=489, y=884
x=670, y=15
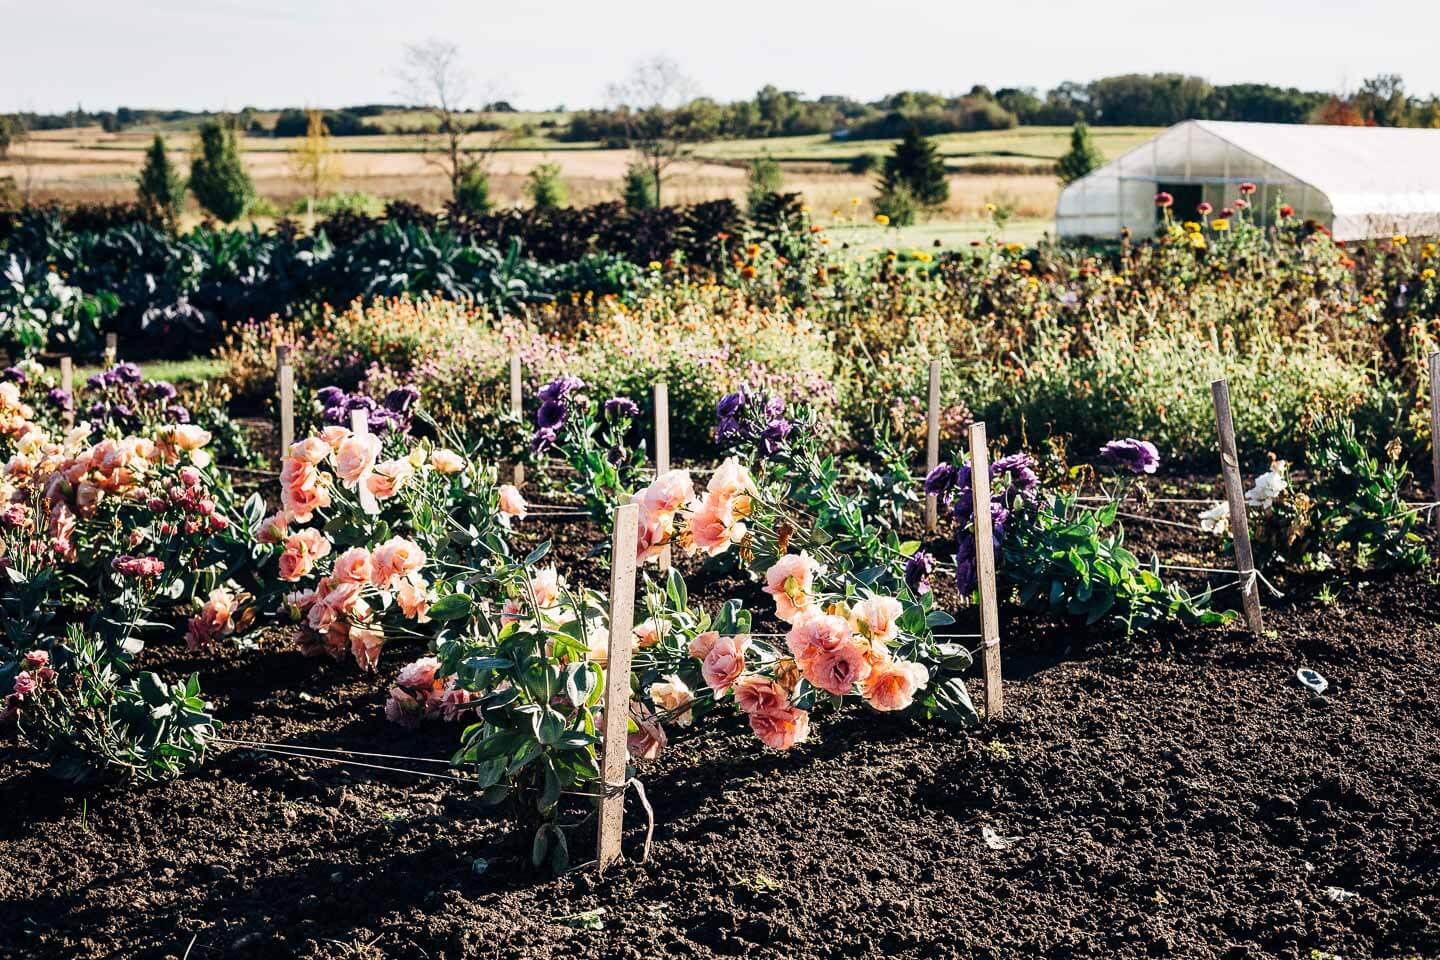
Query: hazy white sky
x=225, y=54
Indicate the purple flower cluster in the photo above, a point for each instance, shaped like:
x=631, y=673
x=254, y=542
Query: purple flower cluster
x=917, y=572
x=14, y=375
x=742, y=417
x=1014, y=485
x=392, y=414
x=555, y=399
x=618, y=407
x=125, y=399
x=1137, y=456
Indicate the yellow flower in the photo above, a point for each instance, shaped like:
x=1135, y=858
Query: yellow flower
x=1014, y=247
x=1191, y=226
x=1220, y=225
x=854, y=201
x=1399, y=239
x=881, y=219
x=1427, y=250
x=1427, y=274
x=1197, y=241
x=990, y=208
x=655, y=264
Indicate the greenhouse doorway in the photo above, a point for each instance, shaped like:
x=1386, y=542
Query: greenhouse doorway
x=1187, y=198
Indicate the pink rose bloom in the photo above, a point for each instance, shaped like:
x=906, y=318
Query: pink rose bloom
x=791, y=581
x=511, y=610
x=730, y=482
x=652, y=538
x=648, y=741
x=546, y=587
x=724, y=664
x=703, y=642
x=877, y=619
x=402, y=708
x=395, y=559
x=334, y=436
x=24, y=683
x=781, y=729
x=215, y=619
x=816, y=633
x=302, y=503
x=757, y=694
x=312, y=450
x=647, y=634
x=712, y=528
x=674, y=697
x=365, y=644
x=353, y=566
x=892, y=686
x=389, y=477
x=187, y=436
x=421, y=673
x=446, y=461
x=666, y=493
x=453, y=702
x=274, y=527
x=511, y=503
x=355, y=457
x=36, y=659
x=334, y=601
x=837, y=671
x=413, y=596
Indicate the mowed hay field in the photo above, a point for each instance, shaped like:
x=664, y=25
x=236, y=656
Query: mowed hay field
x=1009, y=167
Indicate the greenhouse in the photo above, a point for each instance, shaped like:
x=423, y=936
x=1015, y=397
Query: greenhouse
x=1359, y=182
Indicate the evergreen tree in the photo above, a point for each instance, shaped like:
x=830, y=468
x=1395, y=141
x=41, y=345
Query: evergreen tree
x=765, y=181
x=915, y=167
x=472, y=190
x=1083, y=156
x=546, y=187
x=217, y=177
x=162, y=189
x=638, y=188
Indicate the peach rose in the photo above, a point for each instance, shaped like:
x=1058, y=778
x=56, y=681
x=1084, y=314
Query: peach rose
x=334, y=436
x=674, y=697
x=877, y=619
x=388, y=477
x=414, y=598
x=311, y=450
x=814, y=634
x=712, y=528
x=757, y=694
x=648, y=740
x=274, y=527
x=355, y=457
x=837, y=671
x=781, y=729
x=647, y=634
x=546, y=587
x=353, y=566
x=394, y=559
x=703, y=642
x=892, y=686
x=365, y=644
x=653, y=535
x=446, y=461
x=512, y=504
x=791, y=582
x=666, y=493
x=732, y=485
x=724, y=664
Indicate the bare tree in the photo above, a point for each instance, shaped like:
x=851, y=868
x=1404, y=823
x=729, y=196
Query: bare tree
x=434, y=79
x=654, y=100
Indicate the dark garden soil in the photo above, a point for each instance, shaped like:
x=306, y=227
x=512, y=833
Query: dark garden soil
x=1182, y=796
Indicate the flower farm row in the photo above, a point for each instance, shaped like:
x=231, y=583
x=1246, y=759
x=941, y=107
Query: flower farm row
x=387, y=527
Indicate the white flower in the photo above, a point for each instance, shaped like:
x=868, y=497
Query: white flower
x=1268, y=486
x=1216, y=520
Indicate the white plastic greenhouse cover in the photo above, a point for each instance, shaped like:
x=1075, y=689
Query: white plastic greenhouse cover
x=1361, y=182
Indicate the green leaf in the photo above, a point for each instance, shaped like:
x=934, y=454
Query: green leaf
x=452, y=606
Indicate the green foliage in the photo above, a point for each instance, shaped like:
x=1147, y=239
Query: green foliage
x=1082, y=157
x=764, y=180
x=218, y=177
x=546, y=187
x=472, y=192
x=637, y=189
x=161, y=189
x=915, y=165
x=898, y=204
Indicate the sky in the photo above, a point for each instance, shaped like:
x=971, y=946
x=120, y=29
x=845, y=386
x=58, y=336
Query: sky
x=227, y=54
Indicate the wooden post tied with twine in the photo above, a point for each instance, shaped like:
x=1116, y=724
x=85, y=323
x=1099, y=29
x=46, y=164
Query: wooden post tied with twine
x=285, y=384
x=517, y=407
x=662, y=451
x=985, y=571
x=932, y=443
x=613, y=748
x=112, y=349
x=67, y=383
x=1235, y=496
x=1434, y=363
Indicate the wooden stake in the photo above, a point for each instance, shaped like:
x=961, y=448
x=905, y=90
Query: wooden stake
x=287, y=408
x=985, y=570
x=613, y=750
x=1435, y=435
x=112, y=349
x=517, y=407
x=662, y=452
x=67, y=383
x=1235, y=495
x=932, y=443
x=360, y=422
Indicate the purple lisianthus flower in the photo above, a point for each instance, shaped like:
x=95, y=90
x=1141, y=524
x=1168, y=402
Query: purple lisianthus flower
x=161, y=390
x=729, y=406
x=358, y=401
x=1137, y=456
x=917, y=572
x=550, y=415
x=330, y=397
x=560, y=388
x=940, y=481
x=177, y=414
x=59, y=397
x=402, y=399
x=14, y=375
x=336, y=414
x=381, y=420
x=543, y=440
x=965, y=577
x=728, y=429
x=1020, y=469
x=617, y=407
x=773, y=436
x=126, y=373
x=774, y=408
x=97, y=381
